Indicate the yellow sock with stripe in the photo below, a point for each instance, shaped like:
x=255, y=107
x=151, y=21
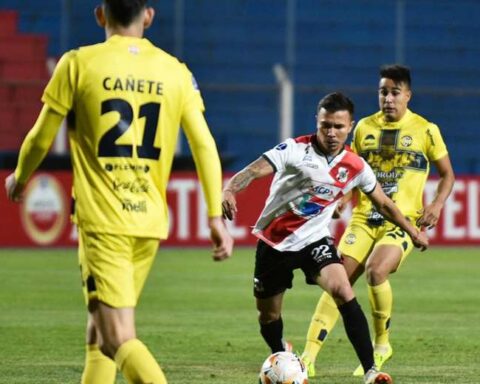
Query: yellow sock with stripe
x=99, y=369
x=137, y=364
x=323, y=320
x=381, y=302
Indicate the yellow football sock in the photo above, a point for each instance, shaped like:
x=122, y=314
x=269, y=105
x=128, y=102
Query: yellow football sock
x=323, y=320
x=99, y=369
x=137, y=364
x=381, y=301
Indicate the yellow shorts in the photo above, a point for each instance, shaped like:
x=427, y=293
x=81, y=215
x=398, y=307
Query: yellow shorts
x=114, y=267
x=359, y=240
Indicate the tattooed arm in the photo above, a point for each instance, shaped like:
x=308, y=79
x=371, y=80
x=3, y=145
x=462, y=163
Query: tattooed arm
x=241, y=180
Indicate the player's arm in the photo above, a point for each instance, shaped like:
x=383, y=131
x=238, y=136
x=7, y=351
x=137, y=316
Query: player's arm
x=342, y=204
x=33, y=150
x=389, y=210
x=241, y=180
x=207, y=163
x=431, y=213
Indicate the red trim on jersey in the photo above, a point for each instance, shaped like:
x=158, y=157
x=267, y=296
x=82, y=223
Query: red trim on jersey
x=353, y=165
x=306, y=139
x=283, y=226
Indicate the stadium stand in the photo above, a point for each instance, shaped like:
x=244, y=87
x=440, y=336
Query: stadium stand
x=231, y=46
x=23, y=74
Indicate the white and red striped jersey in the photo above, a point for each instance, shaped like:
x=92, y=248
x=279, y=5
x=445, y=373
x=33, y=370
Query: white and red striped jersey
x=305, y=190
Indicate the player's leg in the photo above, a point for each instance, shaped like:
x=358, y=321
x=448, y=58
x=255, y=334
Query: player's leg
x=112, y=296
x=132, y=357
x=272, y=276
x=325, y=317
x=357, y=240
x=333, y=279
x=270, y=320
x=98, y=369
x=117, y=327
x=391, y=248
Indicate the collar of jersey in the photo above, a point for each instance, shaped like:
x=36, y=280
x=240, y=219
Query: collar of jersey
x=319, y=151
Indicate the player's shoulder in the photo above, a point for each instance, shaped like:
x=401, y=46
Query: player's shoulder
x=304, y=139
x=418, y=119
x=352, y=159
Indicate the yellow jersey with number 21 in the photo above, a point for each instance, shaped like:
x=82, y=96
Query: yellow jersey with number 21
x=124, y=100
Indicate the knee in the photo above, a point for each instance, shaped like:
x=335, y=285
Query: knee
x=110, y=341
x=375, y=274
x=110, y=345
x=265, y=317
x=341, y=292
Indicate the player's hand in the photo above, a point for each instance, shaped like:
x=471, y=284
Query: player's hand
x=13, y=188
x=339, y=209
x=429, y=215
x=229, y=204
x=222, y=241
x=421, y=240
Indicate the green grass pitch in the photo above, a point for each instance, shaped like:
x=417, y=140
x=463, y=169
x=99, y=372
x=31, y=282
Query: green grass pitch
x=199, y=319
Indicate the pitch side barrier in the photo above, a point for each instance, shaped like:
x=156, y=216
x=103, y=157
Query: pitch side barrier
x=43, y=218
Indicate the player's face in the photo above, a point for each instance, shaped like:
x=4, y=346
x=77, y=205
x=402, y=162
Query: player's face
x=332, y=130
x=393, y=99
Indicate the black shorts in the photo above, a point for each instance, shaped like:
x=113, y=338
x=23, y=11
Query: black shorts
x=274, y=269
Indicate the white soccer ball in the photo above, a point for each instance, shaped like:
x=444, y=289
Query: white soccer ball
x=283, y=368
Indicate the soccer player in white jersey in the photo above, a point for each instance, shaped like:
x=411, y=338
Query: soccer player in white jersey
x=125, y=100
x=311, y=174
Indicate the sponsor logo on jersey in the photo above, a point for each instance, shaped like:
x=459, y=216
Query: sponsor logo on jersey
x=44, y=213
x=281, y=146
x=323, y=191
x=406, y=141
x=109, y=167
x=134, y=206
x=136, y=186
x=311, y=165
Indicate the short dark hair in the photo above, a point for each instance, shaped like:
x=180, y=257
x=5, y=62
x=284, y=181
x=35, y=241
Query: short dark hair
x=123, y=12
x=398, y=73
x=336, y=101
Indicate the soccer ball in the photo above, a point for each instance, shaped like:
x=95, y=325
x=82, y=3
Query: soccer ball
x=283, y=368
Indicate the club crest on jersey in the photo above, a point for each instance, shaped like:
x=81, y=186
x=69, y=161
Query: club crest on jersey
x=350, y=238
x=342, y=174
x=281, y=146
x=407, y=141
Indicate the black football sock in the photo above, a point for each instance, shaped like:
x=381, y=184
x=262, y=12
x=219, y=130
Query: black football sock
x=356, y=326
x=272, y=334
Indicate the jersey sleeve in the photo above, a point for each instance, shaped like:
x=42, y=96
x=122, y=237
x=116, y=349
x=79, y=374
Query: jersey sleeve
x=436, y=148
x=280, y=155
x=207, y=161
x=193, y=97
x=60, y=90
x=367, y=179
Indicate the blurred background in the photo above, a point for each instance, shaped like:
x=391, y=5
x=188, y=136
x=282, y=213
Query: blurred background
x=262, y=66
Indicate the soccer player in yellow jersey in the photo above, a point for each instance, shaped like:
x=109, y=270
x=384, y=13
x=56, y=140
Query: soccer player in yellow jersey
x=124, y=100
x=399, y=145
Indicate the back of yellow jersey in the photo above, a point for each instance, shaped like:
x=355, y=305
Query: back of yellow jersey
x=400, y=154
x=124, y=100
